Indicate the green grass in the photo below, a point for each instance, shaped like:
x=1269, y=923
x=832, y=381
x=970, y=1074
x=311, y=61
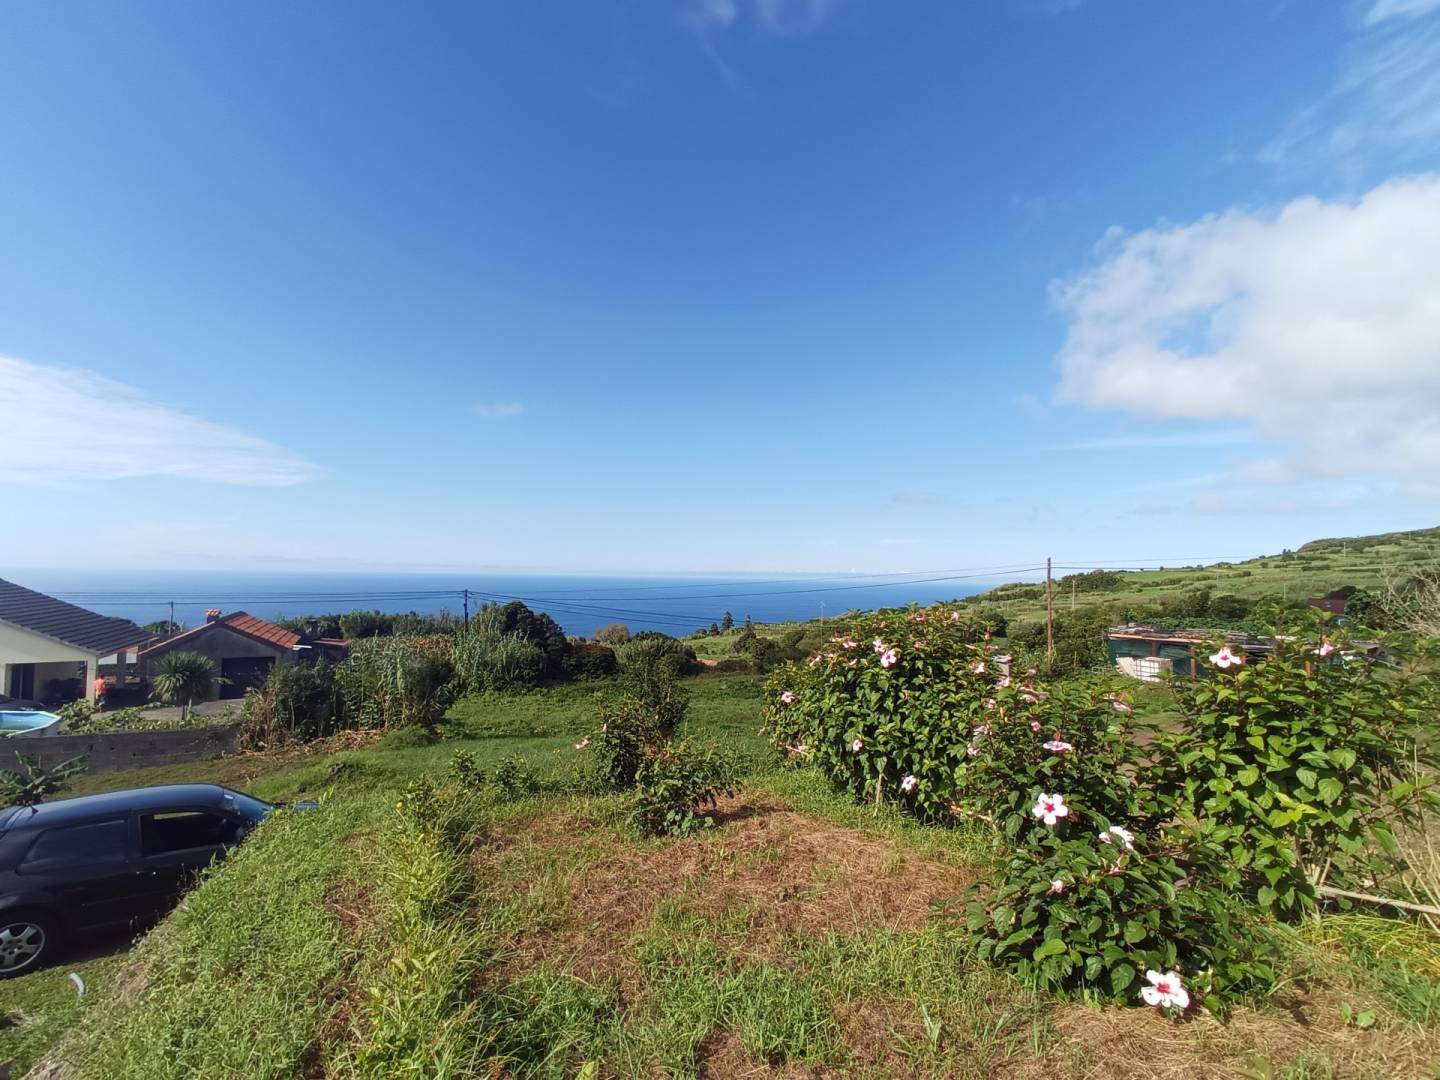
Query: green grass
x=355, y=942
x=36, y=1009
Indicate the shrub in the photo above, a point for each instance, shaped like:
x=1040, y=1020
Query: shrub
x=613, y=634
x=676, y=785
x=396, y=681
x=590, y=661
x=889, y=708
x=507, y=662
x=1298, y=762
x=515, y=778
x=466, y=769
x=1081, y=916
x=354, y=625
x=75, y=714
x=517, y=620
x=295, y=703
x=648, y=650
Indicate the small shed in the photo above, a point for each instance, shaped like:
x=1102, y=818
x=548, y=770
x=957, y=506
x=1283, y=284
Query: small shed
x=1150, y=653
x=243, y=647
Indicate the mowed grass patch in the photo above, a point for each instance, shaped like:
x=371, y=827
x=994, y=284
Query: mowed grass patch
x=243, y=978
x=35, y=1009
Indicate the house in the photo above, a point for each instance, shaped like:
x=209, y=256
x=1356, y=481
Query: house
x=1335, y=605
x=243, y=647
x=51, y=651
x=1149, y=653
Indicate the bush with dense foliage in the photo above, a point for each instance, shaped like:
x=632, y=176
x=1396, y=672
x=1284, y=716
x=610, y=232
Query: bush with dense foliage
x=615, y=633
x=588, y=660
x=1299, y=765
x=295, y=703
x=490, y=662
x=676, y=786
x=650, y=648
x=396, y=682
x=1125, y=873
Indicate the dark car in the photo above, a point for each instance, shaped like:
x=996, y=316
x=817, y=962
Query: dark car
x=111, y=860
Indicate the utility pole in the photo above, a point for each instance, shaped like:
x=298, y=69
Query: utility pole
x=172, y=616
x=1072, y=596
x=1049, y=614
x=822, y=613
x=467, y=607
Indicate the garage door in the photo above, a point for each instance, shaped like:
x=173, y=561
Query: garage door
x=242, y=674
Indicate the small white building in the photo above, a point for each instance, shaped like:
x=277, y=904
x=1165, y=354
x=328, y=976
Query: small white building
x=50, y=651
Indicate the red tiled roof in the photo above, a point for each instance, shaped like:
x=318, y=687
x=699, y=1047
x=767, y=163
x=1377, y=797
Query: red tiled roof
x=242, y=623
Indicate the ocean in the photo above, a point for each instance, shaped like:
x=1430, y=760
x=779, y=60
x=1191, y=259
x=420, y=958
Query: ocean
x=580, y=604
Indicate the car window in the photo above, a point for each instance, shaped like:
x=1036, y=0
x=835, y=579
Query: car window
x=184, y=830
x=93, y=844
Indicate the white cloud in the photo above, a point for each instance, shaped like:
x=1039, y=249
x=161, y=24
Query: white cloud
x=1390, y=9
x=1385, y=99
x=498, y=410
x=1318, y=325
x=62, y=425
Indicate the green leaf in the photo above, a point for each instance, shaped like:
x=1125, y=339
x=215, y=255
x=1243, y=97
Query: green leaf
x=1052, y=947
x=1331, y=789
x=1121, y=978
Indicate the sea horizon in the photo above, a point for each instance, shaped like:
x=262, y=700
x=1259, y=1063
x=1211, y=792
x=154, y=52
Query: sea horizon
x=581, y=603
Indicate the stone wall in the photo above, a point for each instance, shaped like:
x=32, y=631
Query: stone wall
x=112, y=751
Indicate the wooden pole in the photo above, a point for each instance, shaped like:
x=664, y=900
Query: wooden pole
x=1049, y=614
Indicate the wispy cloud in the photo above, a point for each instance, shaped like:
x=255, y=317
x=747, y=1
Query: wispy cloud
x=64, y=425
x=711, y=21
x=1224, y=437
x=1393, y=9
x=497, y=410
x=1385, y=100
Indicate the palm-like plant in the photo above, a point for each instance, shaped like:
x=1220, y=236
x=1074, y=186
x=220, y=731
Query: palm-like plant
x=181, y=677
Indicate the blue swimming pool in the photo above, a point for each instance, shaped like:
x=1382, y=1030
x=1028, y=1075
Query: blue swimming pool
x=30, y=721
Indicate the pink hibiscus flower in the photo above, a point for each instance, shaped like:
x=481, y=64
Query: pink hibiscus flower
x=1050, y=808
x=1166, y=991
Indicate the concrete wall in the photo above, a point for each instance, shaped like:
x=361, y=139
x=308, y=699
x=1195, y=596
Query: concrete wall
x=112, y=751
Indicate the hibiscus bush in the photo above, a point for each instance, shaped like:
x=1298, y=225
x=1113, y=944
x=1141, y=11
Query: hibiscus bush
x=1108, y=913
x=1299, y=764
x=888, y=708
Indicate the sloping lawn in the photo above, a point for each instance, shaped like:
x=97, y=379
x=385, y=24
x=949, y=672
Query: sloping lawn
x=529, y=934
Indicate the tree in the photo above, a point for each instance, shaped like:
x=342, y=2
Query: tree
x=34, y=784
x=181, y=677
x=363, y=624
x=163, y=628
x=727, y=621
x=714, y=629
x=749, y=623
x=614, y=633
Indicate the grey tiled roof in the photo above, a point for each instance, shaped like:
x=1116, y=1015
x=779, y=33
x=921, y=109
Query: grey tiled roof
x=64, y=622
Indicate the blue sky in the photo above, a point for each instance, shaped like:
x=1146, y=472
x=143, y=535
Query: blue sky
x=713, y=285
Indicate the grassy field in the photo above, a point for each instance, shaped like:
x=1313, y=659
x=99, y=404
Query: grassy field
x=533, y=935
x=1311, y=570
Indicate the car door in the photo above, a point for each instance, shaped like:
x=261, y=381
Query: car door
x=176, y=844
x=88, y=868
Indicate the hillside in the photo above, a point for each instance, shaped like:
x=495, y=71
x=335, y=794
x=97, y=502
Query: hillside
x=1314, y=569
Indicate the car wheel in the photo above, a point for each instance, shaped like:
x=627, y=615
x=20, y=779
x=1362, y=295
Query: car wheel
x=27, y=940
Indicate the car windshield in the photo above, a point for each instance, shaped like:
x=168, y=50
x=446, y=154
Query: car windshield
x=249, y=808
